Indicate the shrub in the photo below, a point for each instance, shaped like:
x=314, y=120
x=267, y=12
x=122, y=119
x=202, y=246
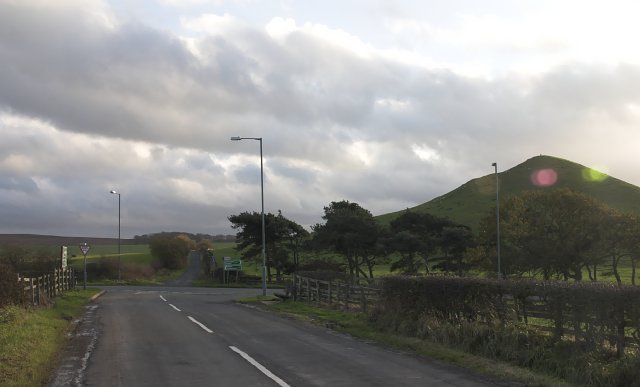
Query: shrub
x=9, y=286
x=170, y=251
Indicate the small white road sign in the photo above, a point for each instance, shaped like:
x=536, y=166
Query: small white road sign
x=84, y=248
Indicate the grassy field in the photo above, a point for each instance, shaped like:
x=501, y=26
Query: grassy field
x=136, y=265
x=30, y=339
x=139, y=254
x=227, y=249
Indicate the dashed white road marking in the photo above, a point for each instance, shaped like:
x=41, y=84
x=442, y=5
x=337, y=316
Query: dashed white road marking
x=163, y=299
x=201, y=325
x=259, y=366
x=174, y=307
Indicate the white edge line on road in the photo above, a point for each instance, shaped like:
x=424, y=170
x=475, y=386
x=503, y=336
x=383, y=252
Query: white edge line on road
x=163, y=299
x=174, y=307
x=259, y=366
x=200, y=324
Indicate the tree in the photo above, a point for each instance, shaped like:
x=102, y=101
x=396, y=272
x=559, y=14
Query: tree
x=416, y=237
x=632, y=245
x=281, y=238
x=619, y=239
x=454, y=241
x=555, y=232
x=351, y=231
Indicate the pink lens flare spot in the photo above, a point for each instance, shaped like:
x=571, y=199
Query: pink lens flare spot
x=544, y=177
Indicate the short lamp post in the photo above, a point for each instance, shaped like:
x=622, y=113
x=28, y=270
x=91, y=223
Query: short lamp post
x=495, y=165
x=264, y=258
x=118, y=193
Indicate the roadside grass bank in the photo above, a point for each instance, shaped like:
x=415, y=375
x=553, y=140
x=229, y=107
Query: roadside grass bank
x=260, y=298
x=30, y=339
x=357, y=325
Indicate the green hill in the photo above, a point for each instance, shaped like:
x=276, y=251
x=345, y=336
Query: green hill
x=475, y=199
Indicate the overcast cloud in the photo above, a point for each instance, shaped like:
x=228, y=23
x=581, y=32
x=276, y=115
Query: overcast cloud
x=385, y=103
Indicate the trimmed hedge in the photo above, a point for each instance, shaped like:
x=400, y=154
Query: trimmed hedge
x=585, y=332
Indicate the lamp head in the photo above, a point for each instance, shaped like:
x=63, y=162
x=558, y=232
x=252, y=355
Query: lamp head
x=236, y=138
x=494, y=165
x=113, y=192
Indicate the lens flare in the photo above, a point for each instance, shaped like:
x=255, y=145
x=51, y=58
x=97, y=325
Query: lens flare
x=544, y=177
x=594, y=176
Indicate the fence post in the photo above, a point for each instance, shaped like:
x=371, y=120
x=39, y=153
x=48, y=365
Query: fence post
x=38, y=288
x=363, y=299
x=317, y=291
x=347, y=297
x=33, y=295
x=295, y=284
x=49, y=287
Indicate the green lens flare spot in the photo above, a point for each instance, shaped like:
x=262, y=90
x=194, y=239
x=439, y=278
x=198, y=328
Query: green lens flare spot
x=594, y=176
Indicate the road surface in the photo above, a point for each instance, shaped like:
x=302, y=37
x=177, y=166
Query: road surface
x=192, y=272
x=172, y=336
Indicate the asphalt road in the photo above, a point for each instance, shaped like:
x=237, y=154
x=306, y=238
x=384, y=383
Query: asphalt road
x=173, y=336
x=192, y=272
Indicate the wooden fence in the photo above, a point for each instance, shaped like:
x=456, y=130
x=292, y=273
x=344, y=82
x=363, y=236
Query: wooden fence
x=37, y=290
x=532, y=311
x=338, y=293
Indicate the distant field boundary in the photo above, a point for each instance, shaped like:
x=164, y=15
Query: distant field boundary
x=28, y=240
x=39, y=290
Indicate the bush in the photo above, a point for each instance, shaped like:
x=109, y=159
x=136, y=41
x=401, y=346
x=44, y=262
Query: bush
x=170, y=251
x=29, y=263
x=9, y=286
x=103, y=268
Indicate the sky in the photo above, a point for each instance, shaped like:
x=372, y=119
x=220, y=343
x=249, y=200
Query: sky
x=384, y=103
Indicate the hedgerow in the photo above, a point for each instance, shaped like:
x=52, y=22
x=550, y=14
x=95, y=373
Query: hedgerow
x=9, y=287
x=587, y=333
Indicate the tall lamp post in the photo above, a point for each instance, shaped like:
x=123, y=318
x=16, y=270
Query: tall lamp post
x=495, y=165
x=264, y=258
x=118, y=193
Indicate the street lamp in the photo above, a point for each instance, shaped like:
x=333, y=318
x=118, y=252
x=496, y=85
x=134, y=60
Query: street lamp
x=495, y=165
x=118, y=193
x=264, y=258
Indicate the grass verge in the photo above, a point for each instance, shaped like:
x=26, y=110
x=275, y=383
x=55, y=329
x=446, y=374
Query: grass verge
x=355, y=324
x=30, y=339
x=248, y=300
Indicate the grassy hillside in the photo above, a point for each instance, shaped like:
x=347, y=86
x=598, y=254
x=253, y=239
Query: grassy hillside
x=475, y=199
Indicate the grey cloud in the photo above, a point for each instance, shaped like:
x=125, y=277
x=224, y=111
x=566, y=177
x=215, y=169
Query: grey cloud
x=248, y=174
x=18, y=183
x=309, y=101
x=300, y=175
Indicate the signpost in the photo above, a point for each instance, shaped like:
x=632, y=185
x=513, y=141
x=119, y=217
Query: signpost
x=231, y=264
x=63, y=256
x=85, y=249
